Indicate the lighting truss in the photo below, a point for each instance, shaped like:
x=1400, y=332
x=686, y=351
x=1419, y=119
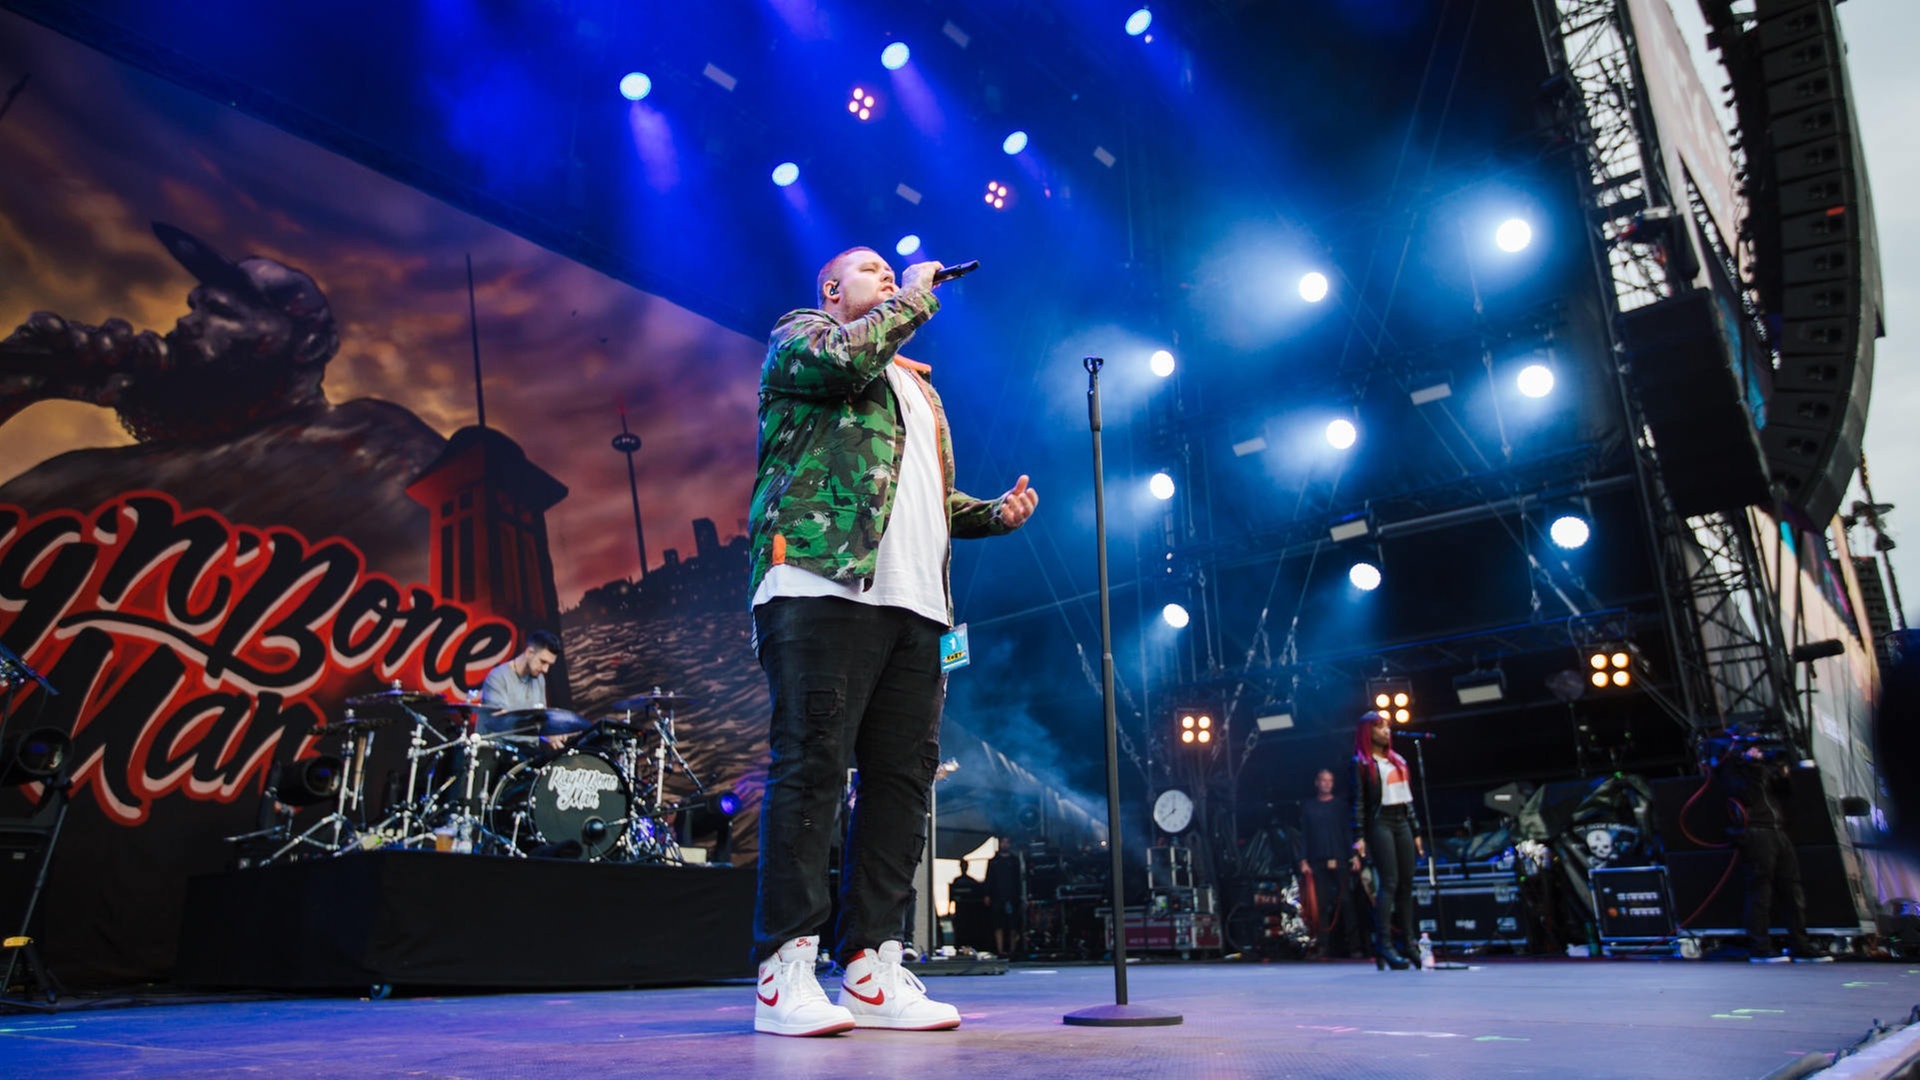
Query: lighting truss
x=1600, y=68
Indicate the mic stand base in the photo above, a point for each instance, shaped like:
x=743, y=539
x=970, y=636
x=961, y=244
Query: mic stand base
x=1121, y=1016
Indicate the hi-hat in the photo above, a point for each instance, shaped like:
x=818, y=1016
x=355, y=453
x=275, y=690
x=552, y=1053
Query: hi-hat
x=406, y=698
x=644, y=701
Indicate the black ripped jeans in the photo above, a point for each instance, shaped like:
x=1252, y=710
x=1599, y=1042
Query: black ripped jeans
x=852, y=685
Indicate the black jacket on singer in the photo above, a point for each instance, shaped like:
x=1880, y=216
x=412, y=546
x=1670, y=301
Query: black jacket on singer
x=1363, y=780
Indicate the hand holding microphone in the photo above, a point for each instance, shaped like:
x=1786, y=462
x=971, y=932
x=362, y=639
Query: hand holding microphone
x=926, y=275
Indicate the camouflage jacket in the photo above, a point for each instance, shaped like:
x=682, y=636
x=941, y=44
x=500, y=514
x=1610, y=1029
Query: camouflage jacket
x=830, y=440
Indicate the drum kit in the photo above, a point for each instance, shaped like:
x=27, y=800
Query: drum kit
x=522, y=783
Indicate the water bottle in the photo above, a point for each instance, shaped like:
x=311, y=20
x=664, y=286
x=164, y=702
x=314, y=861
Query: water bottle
x=1426, y=952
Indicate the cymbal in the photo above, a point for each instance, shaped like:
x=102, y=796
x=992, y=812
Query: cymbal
x=535, y=722
x=405, y=698
x=644, y=701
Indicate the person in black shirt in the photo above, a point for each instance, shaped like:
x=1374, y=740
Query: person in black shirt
x=1757, y=791
x=969, y=896
x=1323, y=841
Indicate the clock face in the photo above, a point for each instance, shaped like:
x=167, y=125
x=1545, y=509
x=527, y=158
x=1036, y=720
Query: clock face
x=1173, y=810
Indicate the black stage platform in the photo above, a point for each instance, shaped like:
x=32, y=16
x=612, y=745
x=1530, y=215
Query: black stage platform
x=429, y=920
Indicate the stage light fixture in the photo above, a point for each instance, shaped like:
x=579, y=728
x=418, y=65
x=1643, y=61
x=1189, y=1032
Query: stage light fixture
x=1175, y=616
x=1364, y=575
x=861, y=104
x=1535, y=380
x=1514, y=234
x=1313, y=287
x=785, y=173
x=895, y=56
x=908, y=244
x=1351, y=527
x=1480, y=687
x=1160, y=363
x=1014, y=143
x=1138, y=22
x=1393, y=696
x=635, y=85
x=1278, y=718
x=38, y=754
x=1570, y=531
x=1196, y=728
x=1252, y=445
x=1430, y=388
x=1341, y=434
x=1611, y=666
x=997, y=194
x=1161, y=486
x=306, y=781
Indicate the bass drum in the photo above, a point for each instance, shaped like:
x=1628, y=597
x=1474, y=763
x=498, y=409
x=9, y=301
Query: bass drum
x=572, y=805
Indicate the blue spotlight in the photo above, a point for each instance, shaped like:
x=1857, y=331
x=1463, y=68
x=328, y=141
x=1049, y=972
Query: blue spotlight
x=1161, y=485
x=1138, y=22
x=908, y=244
x=1535, y=380
x=895, y=56
x=1015, y=142
x=728, y=804
x=1341, y=434
x=1313, y=287
x=635, y=85
x=1160, y=363
x=785, y=173
x=1514, y=234
x=1176, y=616
x=1570, y=531
x=1365, y=576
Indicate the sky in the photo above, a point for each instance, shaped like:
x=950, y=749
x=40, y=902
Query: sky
x=1886, y=84
x=1886, y=87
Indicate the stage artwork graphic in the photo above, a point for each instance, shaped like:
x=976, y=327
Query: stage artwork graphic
x=256, y=565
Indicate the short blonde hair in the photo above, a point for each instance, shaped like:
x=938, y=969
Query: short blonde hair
x=827, y=272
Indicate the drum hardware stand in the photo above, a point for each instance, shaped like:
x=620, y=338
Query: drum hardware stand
x=416, y=749
x=347, y=799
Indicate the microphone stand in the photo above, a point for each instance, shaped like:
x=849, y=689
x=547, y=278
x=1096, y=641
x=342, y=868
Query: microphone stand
x=1119, y=1014
x=1426, y=826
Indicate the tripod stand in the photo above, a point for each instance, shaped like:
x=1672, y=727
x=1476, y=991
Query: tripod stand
x=21, y=948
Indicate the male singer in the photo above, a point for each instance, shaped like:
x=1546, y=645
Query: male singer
x=852, y=516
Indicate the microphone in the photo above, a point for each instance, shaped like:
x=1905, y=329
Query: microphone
x=948, y=273
x=1413, y=735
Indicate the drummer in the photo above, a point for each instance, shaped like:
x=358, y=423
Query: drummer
x=520, y=683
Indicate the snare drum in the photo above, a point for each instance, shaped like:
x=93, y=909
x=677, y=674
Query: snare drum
x=549, y=805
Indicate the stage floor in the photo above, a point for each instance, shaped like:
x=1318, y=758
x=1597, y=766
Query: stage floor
x=1599, y=1018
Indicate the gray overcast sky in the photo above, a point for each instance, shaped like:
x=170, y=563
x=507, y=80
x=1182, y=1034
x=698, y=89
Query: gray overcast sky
x=1880, y=37
x=1886, y=84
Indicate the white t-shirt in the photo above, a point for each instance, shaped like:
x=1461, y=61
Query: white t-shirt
x=1394, y=788
x=910, y=568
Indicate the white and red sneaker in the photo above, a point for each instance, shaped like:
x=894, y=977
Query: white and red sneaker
x=787, y=999
x=882, y=994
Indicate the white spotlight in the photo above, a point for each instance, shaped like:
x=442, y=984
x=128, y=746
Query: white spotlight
x=1535, y=380
x=1161, y=485
x=1365, y=576
x=785, y=173
x=908, y=244
x=1514, y=234
x=1014, y=143
x=1161, y=363
x=1138, y=22
x=895, y=56
x=1569, y=531
x=1341, y=434
x=635, y=85
x=1176, y=616
x=1313, y=287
